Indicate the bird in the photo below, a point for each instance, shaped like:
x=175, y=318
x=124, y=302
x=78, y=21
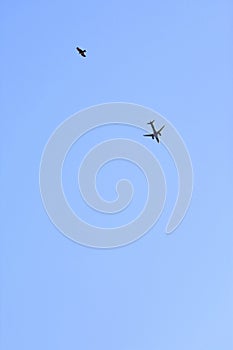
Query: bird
x=81, y=52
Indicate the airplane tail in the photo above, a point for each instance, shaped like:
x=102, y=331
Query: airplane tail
x=151, y=122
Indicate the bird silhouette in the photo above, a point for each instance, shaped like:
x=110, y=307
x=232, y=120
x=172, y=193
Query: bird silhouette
x=81, y=52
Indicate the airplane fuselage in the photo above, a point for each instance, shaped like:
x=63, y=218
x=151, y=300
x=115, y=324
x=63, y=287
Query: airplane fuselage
x=155, y=134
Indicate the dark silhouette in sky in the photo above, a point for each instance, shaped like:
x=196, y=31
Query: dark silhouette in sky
x=81, y=52
x=155, y=132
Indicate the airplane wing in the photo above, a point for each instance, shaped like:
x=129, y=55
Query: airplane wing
x=159, y=131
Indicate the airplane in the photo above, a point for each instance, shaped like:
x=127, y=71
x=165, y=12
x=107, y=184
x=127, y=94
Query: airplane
x=81, y=52
x=155, y=133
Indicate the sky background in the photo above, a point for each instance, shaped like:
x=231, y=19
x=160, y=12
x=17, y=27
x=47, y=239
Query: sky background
x=162, y=291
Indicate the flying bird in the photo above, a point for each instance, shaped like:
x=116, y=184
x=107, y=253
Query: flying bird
x=81, y=52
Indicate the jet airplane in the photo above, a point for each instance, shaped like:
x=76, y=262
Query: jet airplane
x=81, y=52
x=156, y=133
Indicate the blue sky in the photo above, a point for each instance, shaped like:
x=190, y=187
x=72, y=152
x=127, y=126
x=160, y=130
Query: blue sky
x=163, y=291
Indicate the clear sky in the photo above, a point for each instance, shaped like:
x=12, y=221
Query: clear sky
x=162, y=291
